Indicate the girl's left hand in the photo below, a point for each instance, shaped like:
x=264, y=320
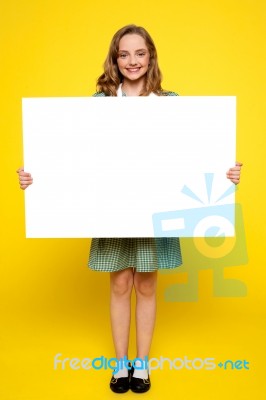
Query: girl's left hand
x=234, y=173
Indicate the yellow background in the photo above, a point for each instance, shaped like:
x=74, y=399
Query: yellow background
x=50, y=301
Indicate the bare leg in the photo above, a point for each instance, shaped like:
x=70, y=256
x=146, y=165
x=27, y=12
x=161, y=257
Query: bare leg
x=145, y=286
x=121, y=283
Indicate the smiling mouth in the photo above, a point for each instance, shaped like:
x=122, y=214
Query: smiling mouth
x=133, y=69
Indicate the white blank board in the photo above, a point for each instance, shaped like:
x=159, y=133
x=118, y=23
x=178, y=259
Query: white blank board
x=102, y=166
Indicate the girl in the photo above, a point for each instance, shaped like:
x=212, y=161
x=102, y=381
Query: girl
x=131, y=69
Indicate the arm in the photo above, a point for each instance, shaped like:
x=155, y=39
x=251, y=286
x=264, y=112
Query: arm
x=25, y=178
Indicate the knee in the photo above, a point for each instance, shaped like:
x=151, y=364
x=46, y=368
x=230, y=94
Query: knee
x=145, y=284
x=121, y=282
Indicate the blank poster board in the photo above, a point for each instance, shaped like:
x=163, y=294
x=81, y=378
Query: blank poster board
x=128, y=167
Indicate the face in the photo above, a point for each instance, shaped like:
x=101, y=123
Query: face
x=133, y=57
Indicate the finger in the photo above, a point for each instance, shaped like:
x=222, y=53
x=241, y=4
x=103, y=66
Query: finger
x=20, y=169
x=234, y=173
x=25, y=178
x=22, y=174
x=24, y=186
x=25, y=181
x=239, y=163
x=233, y=177
x=235, y=169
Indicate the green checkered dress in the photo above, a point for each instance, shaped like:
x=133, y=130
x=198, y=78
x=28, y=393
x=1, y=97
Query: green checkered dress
x=144, y=254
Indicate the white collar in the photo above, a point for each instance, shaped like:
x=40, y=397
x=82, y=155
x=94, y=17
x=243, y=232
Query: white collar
x=120, y=93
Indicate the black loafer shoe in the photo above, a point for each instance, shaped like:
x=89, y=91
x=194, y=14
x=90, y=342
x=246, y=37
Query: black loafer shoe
x=119, y=385
x=138, y=385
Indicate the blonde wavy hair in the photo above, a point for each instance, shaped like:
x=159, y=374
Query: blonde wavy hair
x=111, y=78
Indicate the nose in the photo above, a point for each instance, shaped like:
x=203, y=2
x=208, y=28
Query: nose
x=132, y=60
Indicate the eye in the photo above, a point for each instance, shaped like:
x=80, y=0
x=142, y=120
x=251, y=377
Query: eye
x=122, y=55
x=141, y=54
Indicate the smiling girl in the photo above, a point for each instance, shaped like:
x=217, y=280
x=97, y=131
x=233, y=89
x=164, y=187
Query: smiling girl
x=131, y=69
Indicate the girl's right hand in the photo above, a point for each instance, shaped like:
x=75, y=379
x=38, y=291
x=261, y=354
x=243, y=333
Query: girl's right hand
x=25, y=178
